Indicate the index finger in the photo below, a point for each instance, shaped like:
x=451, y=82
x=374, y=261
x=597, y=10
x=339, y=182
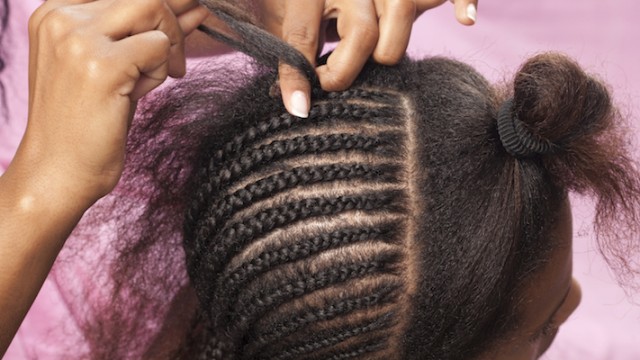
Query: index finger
x=127, y=18
x=358, y=30
x=300, y=29
x=396, y=21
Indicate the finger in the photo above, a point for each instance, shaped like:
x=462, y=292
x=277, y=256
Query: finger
x=191, y=19
x=358, y=29
x=300, y=29
x=124, y=18
x=148, y=56
x=180, y=7
x=466, y=11
x=395, y=22
x=424, y=5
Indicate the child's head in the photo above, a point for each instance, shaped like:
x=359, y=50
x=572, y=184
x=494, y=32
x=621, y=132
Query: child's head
x=402, y=219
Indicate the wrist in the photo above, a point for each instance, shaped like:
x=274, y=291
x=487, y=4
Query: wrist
x=59, y=174
x=36, y=189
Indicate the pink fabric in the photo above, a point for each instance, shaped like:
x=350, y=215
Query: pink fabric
x=14, y=77
x=601, y=36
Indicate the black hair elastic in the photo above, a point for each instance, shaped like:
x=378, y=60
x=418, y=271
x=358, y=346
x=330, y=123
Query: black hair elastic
x=516, y=139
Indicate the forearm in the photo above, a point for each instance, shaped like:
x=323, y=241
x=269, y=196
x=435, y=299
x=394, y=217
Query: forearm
x=89, y=63
x=36, y=217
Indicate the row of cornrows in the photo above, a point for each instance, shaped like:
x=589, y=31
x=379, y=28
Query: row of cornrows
x=274, y=283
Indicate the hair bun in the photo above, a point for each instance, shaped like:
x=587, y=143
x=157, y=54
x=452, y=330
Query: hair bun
x=555, y=100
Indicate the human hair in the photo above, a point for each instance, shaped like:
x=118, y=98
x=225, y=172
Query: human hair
x=390, y=224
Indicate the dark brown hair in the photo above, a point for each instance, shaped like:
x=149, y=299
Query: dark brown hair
x=390, y=224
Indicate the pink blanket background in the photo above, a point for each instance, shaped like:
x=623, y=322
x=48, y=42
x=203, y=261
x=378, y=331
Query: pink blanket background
x=602, y=36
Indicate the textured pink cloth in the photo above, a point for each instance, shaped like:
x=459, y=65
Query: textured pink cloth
x=16, y=46
x=602, y=36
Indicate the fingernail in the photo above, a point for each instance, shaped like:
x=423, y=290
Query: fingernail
x=299, y=104
x=472, y=12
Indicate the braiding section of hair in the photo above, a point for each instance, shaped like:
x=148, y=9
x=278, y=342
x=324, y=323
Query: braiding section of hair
x=321, y=113
x=296, y=235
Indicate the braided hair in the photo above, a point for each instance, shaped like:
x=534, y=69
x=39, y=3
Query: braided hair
x=291, y=217
x=391, y=224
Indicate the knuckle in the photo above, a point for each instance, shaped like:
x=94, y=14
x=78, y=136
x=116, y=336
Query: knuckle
x=160, y=39
x=164, y=42
x=152, y=4
x=385, y=57
x=159, y=7
x=368, y=36
x=301, y=37
x=335, y=82
x=55, y=25
x=35, y=19
x=74, y=46
x=87, y=60
x=405, y=9
x=161, y=4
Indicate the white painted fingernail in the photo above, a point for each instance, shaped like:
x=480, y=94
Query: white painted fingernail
x=299, y=104
x=472, y=12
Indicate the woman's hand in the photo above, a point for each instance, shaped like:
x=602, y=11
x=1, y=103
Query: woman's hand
x=90, y=61
x=366, y=28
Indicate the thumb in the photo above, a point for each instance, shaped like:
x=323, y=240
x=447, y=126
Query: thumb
x=149, y=53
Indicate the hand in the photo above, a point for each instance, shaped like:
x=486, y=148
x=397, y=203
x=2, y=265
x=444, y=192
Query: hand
x=377, y=28
x=90, y=61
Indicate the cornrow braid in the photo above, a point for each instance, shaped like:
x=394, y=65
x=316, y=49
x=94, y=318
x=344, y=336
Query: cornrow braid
x=233, y=280
x=324, y=339
x=268, y=235
x=232, y=239
x=215, y=350
x=367, y=347
x=283, y=149
x=319, y=113
x=376, y=96
x=286, y=180
x=248, y=306
x=239, y=233
x=380, y=295
x=279, y=150
x=300, y=250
